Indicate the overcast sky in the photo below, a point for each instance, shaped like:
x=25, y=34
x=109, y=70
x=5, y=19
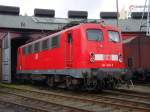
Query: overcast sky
x=62, y=6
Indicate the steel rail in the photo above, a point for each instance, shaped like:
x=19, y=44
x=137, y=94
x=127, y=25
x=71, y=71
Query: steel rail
x=42, y=101
x=91, y=100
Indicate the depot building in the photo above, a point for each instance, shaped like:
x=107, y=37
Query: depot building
x=16, y=30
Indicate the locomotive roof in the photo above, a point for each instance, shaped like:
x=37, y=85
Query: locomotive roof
x=57, y=33
x=49, y=36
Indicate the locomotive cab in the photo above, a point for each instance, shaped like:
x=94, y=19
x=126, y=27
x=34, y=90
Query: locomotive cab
x=103, y=57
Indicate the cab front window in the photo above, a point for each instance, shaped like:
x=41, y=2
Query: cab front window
x=113, y=36
x=94, y=34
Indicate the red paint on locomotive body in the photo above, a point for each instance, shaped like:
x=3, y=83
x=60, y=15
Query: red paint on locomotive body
x=75, y=54
x=83, y=47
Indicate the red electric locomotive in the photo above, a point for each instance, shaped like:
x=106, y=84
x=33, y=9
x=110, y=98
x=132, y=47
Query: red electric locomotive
x=87, y=55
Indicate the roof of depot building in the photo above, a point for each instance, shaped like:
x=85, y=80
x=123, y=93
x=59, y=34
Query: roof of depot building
x=43, y=23
x=29, y=22
x=129, y=25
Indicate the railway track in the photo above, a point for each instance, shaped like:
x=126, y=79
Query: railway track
x=128, y=94
x=85, y=102
x=36, y=104
x=17, y=107
x=46, y=102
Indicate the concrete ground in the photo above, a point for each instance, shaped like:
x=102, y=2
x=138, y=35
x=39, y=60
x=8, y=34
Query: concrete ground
x=8, y=108
x=139, y=88
x=4, y=108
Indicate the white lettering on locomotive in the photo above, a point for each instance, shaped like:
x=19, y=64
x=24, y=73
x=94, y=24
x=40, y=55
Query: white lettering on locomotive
x=106, y=57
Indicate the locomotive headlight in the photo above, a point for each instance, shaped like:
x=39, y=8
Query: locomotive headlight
x=92, y=57
x=120, y=58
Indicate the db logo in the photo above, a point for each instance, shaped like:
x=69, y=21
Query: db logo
x=131, y=7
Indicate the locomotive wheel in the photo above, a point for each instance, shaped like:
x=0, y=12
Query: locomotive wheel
x=69, y=83
x=90, y=84
x=51, y=81
x=100, y=85
x=110, y=84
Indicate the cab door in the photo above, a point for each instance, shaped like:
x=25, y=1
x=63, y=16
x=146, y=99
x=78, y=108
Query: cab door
x=68, y=50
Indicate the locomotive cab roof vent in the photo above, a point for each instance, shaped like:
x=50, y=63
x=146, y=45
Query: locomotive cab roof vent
x=44, y=13
x=78, y=14
x=138, y=15
x=9, y=10
x=108, y=15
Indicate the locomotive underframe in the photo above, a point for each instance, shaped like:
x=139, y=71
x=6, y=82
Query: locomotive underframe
x=90, y=78
x=100, y=73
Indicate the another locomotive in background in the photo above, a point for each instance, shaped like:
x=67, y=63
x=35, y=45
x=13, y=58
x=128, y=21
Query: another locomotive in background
x=88, y=55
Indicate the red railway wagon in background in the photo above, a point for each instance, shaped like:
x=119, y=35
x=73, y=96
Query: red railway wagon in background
x=136, y=49
x=87, y=55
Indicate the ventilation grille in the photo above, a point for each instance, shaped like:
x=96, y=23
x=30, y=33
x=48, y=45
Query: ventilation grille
x=44, y=13
x=9, y=10
x=78, y=14
x=108, y=15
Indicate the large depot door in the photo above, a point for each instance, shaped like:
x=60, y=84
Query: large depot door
x=6, y=58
